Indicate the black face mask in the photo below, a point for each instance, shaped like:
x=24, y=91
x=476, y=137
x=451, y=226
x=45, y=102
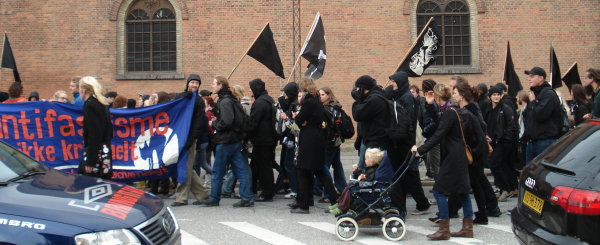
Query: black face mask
x=358, y=94
x=283, y=103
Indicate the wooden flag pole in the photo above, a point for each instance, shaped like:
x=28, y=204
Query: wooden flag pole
x=506, y=59
x=412, y=46
x=293, y=69
x=2, y=54
x=246, y=53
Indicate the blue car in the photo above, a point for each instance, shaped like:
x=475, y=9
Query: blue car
x=40, y=205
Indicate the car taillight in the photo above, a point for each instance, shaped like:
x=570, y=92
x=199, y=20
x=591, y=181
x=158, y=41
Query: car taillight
x=576, y=201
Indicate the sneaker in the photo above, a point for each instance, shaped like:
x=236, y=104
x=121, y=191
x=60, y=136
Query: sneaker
x=243, y=204
x=207, y=203
x=324, y=200
x=432, y=202
x=299, y=211
x=177, y=204
x=426, y=178
x=435, y=219
x=334, y=206
x=504, y=196
x=420, y=212
x=336, y=211
x=291, y=195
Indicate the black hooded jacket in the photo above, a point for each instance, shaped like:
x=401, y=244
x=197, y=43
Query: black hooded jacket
x=199, y=126
x=543, y=117
x=501, y=124
x=371, y=113
x=262, y=116
x=405, y=98
x=225, y=116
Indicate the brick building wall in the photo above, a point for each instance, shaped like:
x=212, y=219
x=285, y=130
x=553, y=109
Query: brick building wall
x=55, y=40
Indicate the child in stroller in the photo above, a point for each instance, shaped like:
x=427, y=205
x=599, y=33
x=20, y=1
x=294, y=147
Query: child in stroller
x=366, y=201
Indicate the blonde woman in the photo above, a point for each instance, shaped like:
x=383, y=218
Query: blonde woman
x=97, y=130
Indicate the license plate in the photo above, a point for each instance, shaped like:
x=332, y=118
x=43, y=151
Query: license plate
x=533, y=202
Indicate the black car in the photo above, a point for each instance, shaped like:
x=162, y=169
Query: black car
x=559, y=192
x=39, y=205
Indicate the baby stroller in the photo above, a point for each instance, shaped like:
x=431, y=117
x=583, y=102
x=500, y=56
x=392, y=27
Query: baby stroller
x=371, y=208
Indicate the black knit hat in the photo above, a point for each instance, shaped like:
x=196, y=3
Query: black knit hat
x=190, y=78
x=494, y=90
x=365, y=82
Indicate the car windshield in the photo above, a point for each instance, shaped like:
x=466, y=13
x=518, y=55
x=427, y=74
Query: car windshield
x=13, y=163
x=577, y=152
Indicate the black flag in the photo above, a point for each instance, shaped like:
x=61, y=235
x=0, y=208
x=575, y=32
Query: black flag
x=510, y=76
x=314, y=49
x=264, y=51
x=422, y=54
x=555, y=78
x=572, y=76
x=8, y=60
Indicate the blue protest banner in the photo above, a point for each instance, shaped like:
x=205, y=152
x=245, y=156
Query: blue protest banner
x=147, y=142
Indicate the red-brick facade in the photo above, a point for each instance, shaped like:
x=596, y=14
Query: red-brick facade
x=55, y=40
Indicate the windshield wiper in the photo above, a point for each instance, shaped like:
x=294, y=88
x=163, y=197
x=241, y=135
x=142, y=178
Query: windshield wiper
x=555, y=168
x=22, y=176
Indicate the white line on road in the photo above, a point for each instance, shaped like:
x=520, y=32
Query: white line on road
x=187, y=238
x=262, y=234
x=330, y=228
x=459, y=240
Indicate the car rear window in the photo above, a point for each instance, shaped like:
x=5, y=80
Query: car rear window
x=578, y=151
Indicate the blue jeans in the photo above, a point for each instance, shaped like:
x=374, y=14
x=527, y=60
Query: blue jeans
x=201, y=160
x=230, y=153
x=361, y=157
x=442, y=202
x=230, y=180
x=534, y=148
x=290, y=169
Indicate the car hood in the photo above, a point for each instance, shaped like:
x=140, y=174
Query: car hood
x=87, y=202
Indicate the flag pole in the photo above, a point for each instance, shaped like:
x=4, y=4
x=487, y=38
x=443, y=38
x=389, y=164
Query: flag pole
x=506, y=59
x=303, y=46
x=412, y=46
x=246, y=53
x=2, y=54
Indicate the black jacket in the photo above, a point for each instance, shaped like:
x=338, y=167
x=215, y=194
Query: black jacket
x=224, y=113
x=262, y=117
x=580, y=109
x=371, y=113
x=543, y=118
x=430, y=119
x=484, y=104
x=97, y=129
x=312, y=140
x=501, y=125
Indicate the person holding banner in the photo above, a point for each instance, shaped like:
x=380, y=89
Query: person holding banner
x=97, y=130
x=14, y=93
x=198, y=135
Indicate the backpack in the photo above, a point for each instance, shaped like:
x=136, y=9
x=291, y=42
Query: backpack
x=564, y=120
x=399, y=126
x=345, y=125
x=241, y=121
x=331, y=131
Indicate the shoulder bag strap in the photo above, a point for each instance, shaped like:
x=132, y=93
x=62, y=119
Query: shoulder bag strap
x=460, y=126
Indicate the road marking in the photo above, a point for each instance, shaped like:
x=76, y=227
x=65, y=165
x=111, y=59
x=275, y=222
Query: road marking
x=497, y=226
x=330, y=228
x=459, y=240
x=261, y=233
x=187, y=238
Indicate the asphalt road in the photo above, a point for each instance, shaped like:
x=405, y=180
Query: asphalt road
x=272, y=223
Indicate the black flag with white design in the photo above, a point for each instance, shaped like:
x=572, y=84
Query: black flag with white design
x=510, y=75
x=265, y=51
x=314, y=49
x=8, y=60
x=423, y=51
x=555, y=78
x=572, y=76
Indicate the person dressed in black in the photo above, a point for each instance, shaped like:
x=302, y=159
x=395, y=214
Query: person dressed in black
x=457, y=128
x=263, y=138
x=411, y=181
x=581, y=105
x=501, y=133
x=97, y=130
x=311, y=147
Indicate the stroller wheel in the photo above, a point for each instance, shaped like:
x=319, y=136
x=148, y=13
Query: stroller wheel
x=346, y=229
x=351, y=213
x=393, y=229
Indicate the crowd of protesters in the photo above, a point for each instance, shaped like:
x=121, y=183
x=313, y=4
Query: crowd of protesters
x=457, y=130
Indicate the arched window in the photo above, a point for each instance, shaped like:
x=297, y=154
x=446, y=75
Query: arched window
x=151, y=37
x=453, y=20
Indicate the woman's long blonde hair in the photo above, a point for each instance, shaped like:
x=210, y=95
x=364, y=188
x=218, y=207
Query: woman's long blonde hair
x=308, y=85
x=90, y=84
